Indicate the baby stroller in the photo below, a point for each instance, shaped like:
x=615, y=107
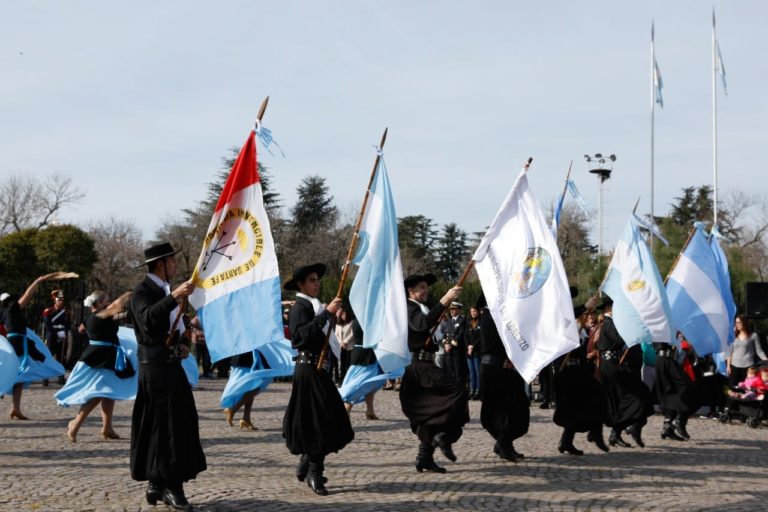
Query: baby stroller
x=753, y=412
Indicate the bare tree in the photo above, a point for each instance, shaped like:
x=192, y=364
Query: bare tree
x=119, y=247
x=26, y=202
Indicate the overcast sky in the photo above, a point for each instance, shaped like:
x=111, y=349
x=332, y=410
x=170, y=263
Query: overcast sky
x=138, y=101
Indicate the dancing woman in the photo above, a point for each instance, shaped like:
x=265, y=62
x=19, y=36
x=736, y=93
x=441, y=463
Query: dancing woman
x=106, y=370
x=35, y=360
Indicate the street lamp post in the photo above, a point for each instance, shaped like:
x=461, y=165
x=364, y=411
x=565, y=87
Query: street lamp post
x=601, y=166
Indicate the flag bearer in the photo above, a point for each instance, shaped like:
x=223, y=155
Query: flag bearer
x=165, y=439
x=315, y=422
x=436, y=404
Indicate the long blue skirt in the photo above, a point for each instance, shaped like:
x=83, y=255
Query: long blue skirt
x=189, y=364
x=361, y=380
x=279, y=356
x=86, y=383
x=9, y=366
x=39, y=370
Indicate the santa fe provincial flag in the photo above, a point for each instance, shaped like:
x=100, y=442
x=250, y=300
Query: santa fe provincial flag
x=238, y=283
x=524, y=282
x=640, y=307
x=377, y=296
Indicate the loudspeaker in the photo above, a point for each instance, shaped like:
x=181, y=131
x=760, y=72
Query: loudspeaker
x=757, y=300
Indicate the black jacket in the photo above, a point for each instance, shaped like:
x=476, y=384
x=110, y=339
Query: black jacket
x=419, y=326
x=306, y=328
x=150, y=311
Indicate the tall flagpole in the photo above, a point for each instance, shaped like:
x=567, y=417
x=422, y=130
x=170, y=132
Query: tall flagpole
x=714, y=115
x=653, y=112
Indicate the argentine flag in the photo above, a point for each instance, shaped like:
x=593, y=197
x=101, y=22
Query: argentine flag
x=237, y=294
x=640, y=307
x=377, y=296
x=700, y=296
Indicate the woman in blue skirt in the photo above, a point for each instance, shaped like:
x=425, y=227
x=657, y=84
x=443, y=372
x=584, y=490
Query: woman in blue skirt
x=245, y=382
x=106, y=369
x=35, y=360
x=364, y=376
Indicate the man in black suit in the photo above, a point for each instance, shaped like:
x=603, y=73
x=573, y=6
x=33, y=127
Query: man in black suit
x=455, y=345
x=629, y=399
x=435, y=404
x=315, y=422
x=165, y=439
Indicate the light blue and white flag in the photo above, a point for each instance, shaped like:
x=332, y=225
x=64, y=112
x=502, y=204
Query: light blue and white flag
x=658, y=84
x=640, y=307
x=695, y=293
x=377, y=295
x=524, y=282
x=719, y=66
x=570, y=186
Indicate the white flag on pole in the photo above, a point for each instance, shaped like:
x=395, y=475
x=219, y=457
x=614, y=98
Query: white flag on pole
x=524, y=282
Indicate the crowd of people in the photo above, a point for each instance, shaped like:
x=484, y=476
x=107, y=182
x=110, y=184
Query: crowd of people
x=455, y=359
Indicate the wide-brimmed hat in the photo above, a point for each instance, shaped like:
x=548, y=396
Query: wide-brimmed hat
x=415, y=279
x=481, y=302
x=157, y=252
x=301, y=273
x=574, y=291
x=607, y=301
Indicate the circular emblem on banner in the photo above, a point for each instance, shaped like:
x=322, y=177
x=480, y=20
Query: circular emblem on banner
x=532, y=273
x=633, y=286
x=232, y=250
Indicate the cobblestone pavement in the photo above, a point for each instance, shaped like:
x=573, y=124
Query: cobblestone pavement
x=724, y=467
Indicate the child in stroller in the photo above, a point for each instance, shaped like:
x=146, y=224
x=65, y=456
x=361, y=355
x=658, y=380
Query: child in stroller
x=748, y=400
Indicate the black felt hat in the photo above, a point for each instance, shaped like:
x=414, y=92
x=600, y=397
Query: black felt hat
x=574, y=291
x=607, y=301
x=481, y=302
x=301, y=273
x=415, y=279
x=158, y=252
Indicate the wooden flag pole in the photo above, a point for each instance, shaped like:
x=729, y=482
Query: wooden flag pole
x=352, y=248
x=460, y=282
x=685, y=246
x=196, y=271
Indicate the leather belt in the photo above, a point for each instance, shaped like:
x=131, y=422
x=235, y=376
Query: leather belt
x=610, y=355
x=422, y=355
x=573, y=362
x=307, y=358
x=665, y=353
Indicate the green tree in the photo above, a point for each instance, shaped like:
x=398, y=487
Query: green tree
x=452, y=252
x=314, y=206
x=65, y=247
x=18, y=261
x=417, y=236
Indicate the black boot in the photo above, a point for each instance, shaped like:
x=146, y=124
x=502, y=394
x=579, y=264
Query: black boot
x=668, y=431
x=596, y=436
x=154, y=492
x=425, y=460
x=441, y=442
x=680, y=424
x=303, y=468
x=315, y=478
x=636, y=432
x=173, y=496
x=506, y=453
x=615, y=440
x=566, y=443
